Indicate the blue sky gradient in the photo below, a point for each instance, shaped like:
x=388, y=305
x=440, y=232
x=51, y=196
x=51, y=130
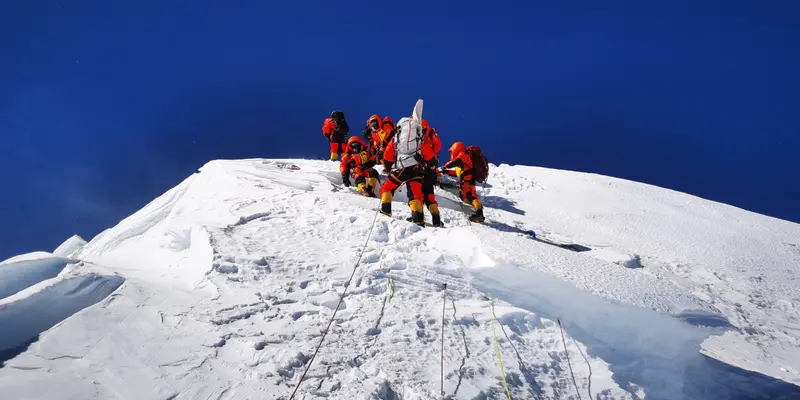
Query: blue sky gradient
x=105, y=105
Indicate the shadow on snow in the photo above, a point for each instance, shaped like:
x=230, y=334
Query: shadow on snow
x=24, y=319
x=502, y=203
x=644, y=348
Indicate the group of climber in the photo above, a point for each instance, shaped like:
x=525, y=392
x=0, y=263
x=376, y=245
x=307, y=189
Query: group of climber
x=409, y=154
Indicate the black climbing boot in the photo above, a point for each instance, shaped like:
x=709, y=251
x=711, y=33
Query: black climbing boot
x=418, y=218
x=478, y=216
x=386, y=209
x=437, y=221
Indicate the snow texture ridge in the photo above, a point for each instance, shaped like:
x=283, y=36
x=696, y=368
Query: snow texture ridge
x=222, y=287
x=70, y=246
x=25, y=317
x=27, y=271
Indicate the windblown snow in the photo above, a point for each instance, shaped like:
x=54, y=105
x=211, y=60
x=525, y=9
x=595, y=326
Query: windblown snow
x=222, y=287
x=70, y=246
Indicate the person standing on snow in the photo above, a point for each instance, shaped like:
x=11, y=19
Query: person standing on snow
x=462, y=167
x=359, y=160
x=336, y=130
x=431, y=144
x=404, y=163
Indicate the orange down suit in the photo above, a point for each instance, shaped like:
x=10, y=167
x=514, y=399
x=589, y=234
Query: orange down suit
x=336, y=138
x=380, y=138
x=431, y=145
x=361, y=166
x=419, y=179
x=460, y=165
x=411, y=176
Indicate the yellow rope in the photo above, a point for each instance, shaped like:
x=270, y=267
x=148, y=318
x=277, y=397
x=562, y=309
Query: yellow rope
x=497, y=347
x=391, y=290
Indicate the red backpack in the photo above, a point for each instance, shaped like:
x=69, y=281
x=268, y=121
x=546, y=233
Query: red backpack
x=480, y=165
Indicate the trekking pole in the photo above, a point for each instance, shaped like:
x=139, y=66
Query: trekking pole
x=444, y=304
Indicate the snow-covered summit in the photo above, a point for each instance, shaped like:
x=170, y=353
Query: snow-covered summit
x=231, y=276
x=71, y=245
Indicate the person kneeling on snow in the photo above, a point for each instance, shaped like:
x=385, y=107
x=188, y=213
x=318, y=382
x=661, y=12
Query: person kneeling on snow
x=378, y=134
x=461, y=166
x=359, y=161
x=372, y=128
x=384, y=136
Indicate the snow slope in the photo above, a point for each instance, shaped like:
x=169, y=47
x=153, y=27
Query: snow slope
x=27, y=270
x=231, y=277
x=70, y=246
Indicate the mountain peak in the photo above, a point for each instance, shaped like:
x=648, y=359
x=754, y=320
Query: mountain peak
x=231, y=277
x=71, y=245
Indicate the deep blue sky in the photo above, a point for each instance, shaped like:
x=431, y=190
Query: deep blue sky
x=107, y=104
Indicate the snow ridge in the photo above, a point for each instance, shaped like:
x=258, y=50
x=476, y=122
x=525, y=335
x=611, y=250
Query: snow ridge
x=19, y=275
x=69, y=246
x=232, y=277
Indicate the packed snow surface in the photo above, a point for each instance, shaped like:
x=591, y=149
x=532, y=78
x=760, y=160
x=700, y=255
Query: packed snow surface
x=231, y=277
x=70, y=246
x=27, y=270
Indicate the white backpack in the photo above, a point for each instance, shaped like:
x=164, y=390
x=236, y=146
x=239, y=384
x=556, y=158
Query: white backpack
x=408, y=139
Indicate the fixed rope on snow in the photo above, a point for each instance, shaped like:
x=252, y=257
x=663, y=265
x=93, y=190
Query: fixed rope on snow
x=523, y=368
x=444, y=304
x=577, y=391
x=497, y=347
x=339, y=304
x=589, y=390
x=494, y=334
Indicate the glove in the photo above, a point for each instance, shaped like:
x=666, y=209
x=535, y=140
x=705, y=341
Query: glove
x=443, y=170
x=367, y=132
x=431, y=164
x=346, y=180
